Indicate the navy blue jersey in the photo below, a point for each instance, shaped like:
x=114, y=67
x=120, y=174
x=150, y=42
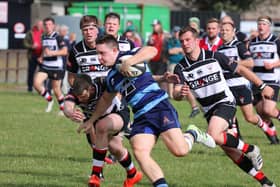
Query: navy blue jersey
x=141, y=93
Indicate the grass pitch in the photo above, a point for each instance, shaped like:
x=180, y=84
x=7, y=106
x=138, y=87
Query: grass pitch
x=43, y=149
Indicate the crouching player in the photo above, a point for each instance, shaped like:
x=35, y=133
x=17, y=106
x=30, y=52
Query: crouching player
x=85, y=94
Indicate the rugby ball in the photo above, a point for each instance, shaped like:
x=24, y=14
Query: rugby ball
x=135, y=70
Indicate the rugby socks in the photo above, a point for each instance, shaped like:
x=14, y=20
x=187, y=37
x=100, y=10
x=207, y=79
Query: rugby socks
x=98, y=160
x=235, y=127
x=231, y=141
x=266, y=128
x=160, y=183
x=127, y=163
x=46, y=94
x=246, y=165
x=190, y=140
x=60, y=101
x=278, y=116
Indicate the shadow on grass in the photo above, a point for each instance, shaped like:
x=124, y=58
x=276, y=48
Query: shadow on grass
x=36, y=156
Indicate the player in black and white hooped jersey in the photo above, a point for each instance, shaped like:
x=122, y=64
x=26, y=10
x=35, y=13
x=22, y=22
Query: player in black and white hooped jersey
x=112, y=27
x=83, y=56
x=265, y=50
x=51, y=65
x=85, y=93
x=236, y=51
x=83, y=59
x=202, y=73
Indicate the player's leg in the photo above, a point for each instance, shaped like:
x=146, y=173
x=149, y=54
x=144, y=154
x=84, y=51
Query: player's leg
x=195, y=109
x=252, y=117
x=142, y=145
x=244, y=163
x=124, y=158
x=39, y=79
x=266, y=115
x=219, y=121
x=57, y=77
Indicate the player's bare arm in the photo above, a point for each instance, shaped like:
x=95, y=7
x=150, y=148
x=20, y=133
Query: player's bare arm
x=269, y=65
x=144, y=54
x=267, y=91
x=102, y=105
x=249, y=63
x=73, y=113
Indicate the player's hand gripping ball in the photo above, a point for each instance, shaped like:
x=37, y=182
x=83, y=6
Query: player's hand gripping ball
x=134, y=70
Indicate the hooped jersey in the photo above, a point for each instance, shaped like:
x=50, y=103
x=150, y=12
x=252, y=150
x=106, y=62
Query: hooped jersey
x=205, y=78
x=53, y=42
x=84, y=60
x=235, y=51
x=268, y=51
x=89, y=107
x=142, y=93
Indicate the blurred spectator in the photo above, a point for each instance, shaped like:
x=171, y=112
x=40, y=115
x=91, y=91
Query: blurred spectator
x=63, y=32
x=194, y=22
x=239, y=35
x=32, y=42
x=211, y=41
x=131, y=35
x=175, y=54
x=72, y=39
x=158, y=64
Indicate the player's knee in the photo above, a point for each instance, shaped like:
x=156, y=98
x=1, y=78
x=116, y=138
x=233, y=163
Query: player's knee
x=101, y=127
x=250, y=118
x=180, y=151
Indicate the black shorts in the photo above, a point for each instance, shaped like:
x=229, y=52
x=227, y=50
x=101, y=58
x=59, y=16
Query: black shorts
x=258, y=97
x=124, y=113
x=242, y=94
x=224, y=110
x=158, y=68
x=53, y=74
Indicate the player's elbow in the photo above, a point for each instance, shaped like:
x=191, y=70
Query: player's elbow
x=153, y=51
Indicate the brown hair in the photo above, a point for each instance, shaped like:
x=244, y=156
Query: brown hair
x=87, y=20
x=189, y=29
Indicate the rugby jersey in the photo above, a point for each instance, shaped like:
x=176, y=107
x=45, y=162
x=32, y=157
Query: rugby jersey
x=142, y=93
x=235, y=51
x=265, y=51
x=205, y=78
x=54, y=42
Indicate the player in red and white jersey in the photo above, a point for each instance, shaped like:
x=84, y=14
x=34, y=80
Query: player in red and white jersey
x=211, y=41
x=265, y=50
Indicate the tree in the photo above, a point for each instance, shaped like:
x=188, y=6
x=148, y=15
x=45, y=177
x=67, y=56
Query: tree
x=226, y=5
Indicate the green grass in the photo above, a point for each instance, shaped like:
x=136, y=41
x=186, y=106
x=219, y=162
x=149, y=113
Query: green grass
x=43, y=149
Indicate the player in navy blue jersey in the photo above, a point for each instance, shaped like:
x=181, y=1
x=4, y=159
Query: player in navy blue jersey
x=154, y=116
x=201, y=72
x=85, y=93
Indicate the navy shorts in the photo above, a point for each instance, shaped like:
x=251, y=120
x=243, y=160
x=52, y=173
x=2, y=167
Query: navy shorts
x=242, y=94
x=223, y=110
x=156, y=121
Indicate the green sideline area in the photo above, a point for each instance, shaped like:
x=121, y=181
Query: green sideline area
x=43, y=149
